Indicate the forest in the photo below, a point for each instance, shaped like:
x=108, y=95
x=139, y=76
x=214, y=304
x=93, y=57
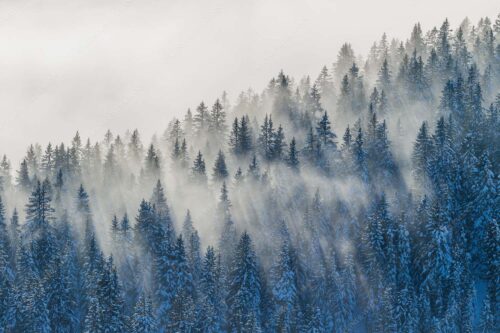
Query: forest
x=363, y=199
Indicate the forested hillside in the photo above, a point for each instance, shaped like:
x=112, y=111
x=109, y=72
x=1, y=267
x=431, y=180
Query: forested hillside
x=363, y=199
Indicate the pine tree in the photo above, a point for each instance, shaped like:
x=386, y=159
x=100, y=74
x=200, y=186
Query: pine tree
x=143, y=320
x=312, y=149
x=217, y=125
x=211, y=319
x=105, y=311
x=285, y=291
x=325, y=86
x=5, y=241
x=253, y=168
x=278, y=144
x=282, y=103
x=227, y=242
x=220, y=170
x=62, y=291
x=292, y=158
x=344, y=101
x=199, y=168
x=14, y=233
x=384, y=76
x=359, y=157
x=5, y=172
x=422, y=153
x=245, y=133
x=192, y=246
x=381, y=160
x=188, y=124
x=152, y=164
x=201, y=119
x=244, y=294
x=234, y=138
x=37, y=320
x=176, y=152
x=135, y=147
x=238, y=176
x=345, y=58
x=314, y=102
x=162, y=211
x=39, y=214
x=149, y=233
x=266, y=137
x=48, y=160
x=491, y=244
x=7, y=305
x=435, y=259
x=110, y=164
x=182, y=315
x=325, y=135
x=32, y=161
x=23, y=178
x=173, y=132
x=347, y=139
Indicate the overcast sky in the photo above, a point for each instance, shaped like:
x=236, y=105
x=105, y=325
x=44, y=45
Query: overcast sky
x=91, y=65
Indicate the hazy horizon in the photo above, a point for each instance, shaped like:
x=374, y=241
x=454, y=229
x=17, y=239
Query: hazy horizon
x=125, y=64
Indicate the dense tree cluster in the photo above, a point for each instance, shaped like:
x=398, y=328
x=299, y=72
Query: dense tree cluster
x=365, y=201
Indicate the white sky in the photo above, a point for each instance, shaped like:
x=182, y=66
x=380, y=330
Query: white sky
x=90, y=65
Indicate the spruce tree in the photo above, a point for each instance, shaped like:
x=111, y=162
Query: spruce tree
x=278, y=144
x=143, y=319
x=325, y=135
x=212, y=307
x=201, y=119
x=198, y=169
x=23, y=178
x=234, y=138
x=266, y=137
x=217, y=125
x=244, y=293
x=220, y=170
x=293, y=158
x=285, y=291
x=245, y=134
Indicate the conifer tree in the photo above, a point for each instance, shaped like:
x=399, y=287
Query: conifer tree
x=359, y=157
x=23, y=178
x=244, y=294
x=285, y=291
x=266, y=138
x=182, y=313
x=245, y=133
x=325, y=134
x=143, y=320
x=253, y=168
x=234, y=138
x=312, y=149
x=212, y=307
x=201, y=119
x=384, y=76
x=293, y=158
x=192, y=246
x=162, y=211
x=220, y=170
x=176, y=151
x=199, y=168
x=217, y=123
x=152, y=164
x=422, y=153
